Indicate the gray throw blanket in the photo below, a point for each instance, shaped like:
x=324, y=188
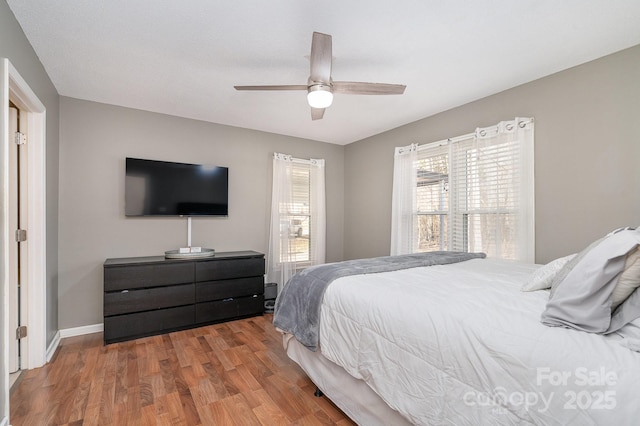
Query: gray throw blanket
x=297, y=309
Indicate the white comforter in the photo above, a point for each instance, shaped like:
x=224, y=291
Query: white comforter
x=461, y=344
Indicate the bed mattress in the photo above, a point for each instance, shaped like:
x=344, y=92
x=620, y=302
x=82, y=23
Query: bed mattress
x=461, y=344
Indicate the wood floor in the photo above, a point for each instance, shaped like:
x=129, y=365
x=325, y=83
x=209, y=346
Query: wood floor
x=235, y=373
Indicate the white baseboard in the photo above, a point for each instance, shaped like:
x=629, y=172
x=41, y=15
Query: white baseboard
x=53, y=346
x=70, y=332
x=79, y=331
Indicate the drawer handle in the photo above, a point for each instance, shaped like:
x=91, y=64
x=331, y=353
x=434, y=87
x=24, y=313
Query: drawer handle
x=124, y=291
x=228, y=299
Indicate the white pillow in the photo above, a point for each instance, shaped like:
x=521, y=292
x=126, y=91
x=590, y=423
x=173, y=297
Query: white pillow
x=629, y=279
x=542, y=277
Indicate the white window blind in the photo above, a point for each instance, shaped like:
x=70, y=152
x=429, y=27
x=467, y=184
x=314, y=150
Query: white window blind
x=473, y=193
x=295, y=216
x=432, y=198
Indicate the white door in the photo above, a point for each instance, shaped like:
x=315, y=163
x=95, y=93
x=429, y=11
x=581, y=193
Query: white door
x=17, y=220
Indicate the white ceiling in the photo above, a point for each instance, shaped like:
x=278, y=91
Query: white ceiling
x=184, y=57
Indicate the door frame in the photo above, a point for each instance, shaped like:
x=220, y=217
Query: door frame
x=15, y=215
x=34, y=306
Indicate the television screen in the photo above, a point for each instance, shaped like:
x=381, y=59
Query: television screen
x=162, y=188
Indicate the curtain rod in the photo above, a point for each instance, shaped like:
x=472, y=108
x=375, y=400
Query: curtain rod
x=287, y=157
x=482, y=131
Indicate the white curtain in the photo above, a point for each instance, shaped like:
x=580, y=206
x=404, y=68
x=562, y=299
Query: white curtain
x=505, y=184
x=318, y=211
x=403, y=204
x=298, y=218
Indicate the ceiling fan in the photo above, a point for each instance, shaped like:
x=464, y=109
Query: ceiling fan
x=320, y=87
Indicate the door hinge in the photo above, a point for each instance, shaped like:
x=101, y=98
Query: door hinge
x=21, y=332
x=20, y=138
x=21, y=235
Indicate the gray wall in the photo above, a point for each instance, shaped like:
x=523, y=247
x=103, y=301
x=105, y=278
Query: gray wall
x=94, y=141
x=587, y=156
x=15, y=46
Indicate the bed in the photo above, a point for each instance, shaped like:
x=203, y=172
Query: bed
x=462, y=343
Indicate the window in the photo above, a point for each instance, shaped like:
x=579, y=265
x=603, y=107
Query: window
x=297, y=232
x=472, y=193
x=432, y=198
x=295, y=217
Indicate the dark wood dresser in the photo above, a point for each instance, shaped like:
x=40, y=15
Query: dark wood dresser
x=144, y=296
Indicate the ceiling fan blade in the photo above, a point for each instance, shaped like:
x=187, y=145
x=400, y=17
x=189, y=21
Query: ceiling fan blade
x=317, y=113
x=320, y=58
x=281, y=87
x=358, y=88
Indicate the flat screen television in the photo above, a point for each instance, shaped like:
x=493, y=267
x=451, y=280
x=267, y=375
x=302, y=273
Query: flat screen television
x=163, y=188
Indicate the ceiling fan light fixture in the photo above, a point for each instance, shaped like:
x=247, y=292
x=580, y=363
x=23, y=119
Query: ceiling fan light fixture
x=319, y=96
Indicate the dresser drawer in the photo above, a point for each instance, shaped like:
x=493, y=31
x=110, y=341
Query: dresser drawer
x=232, y=268
x=223, y=289
x=131, y=326
x=229, y=308
x=127, y=301
x=253, y=305
x=140, y=276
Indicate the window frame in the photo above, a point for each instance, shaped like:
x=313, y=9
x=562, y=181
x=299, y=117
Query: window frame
x=301, y=208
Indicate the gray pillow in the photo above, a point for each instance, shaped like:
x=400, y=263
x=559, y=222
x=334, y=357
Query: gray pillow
x=581, y=293
x=568, y=267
